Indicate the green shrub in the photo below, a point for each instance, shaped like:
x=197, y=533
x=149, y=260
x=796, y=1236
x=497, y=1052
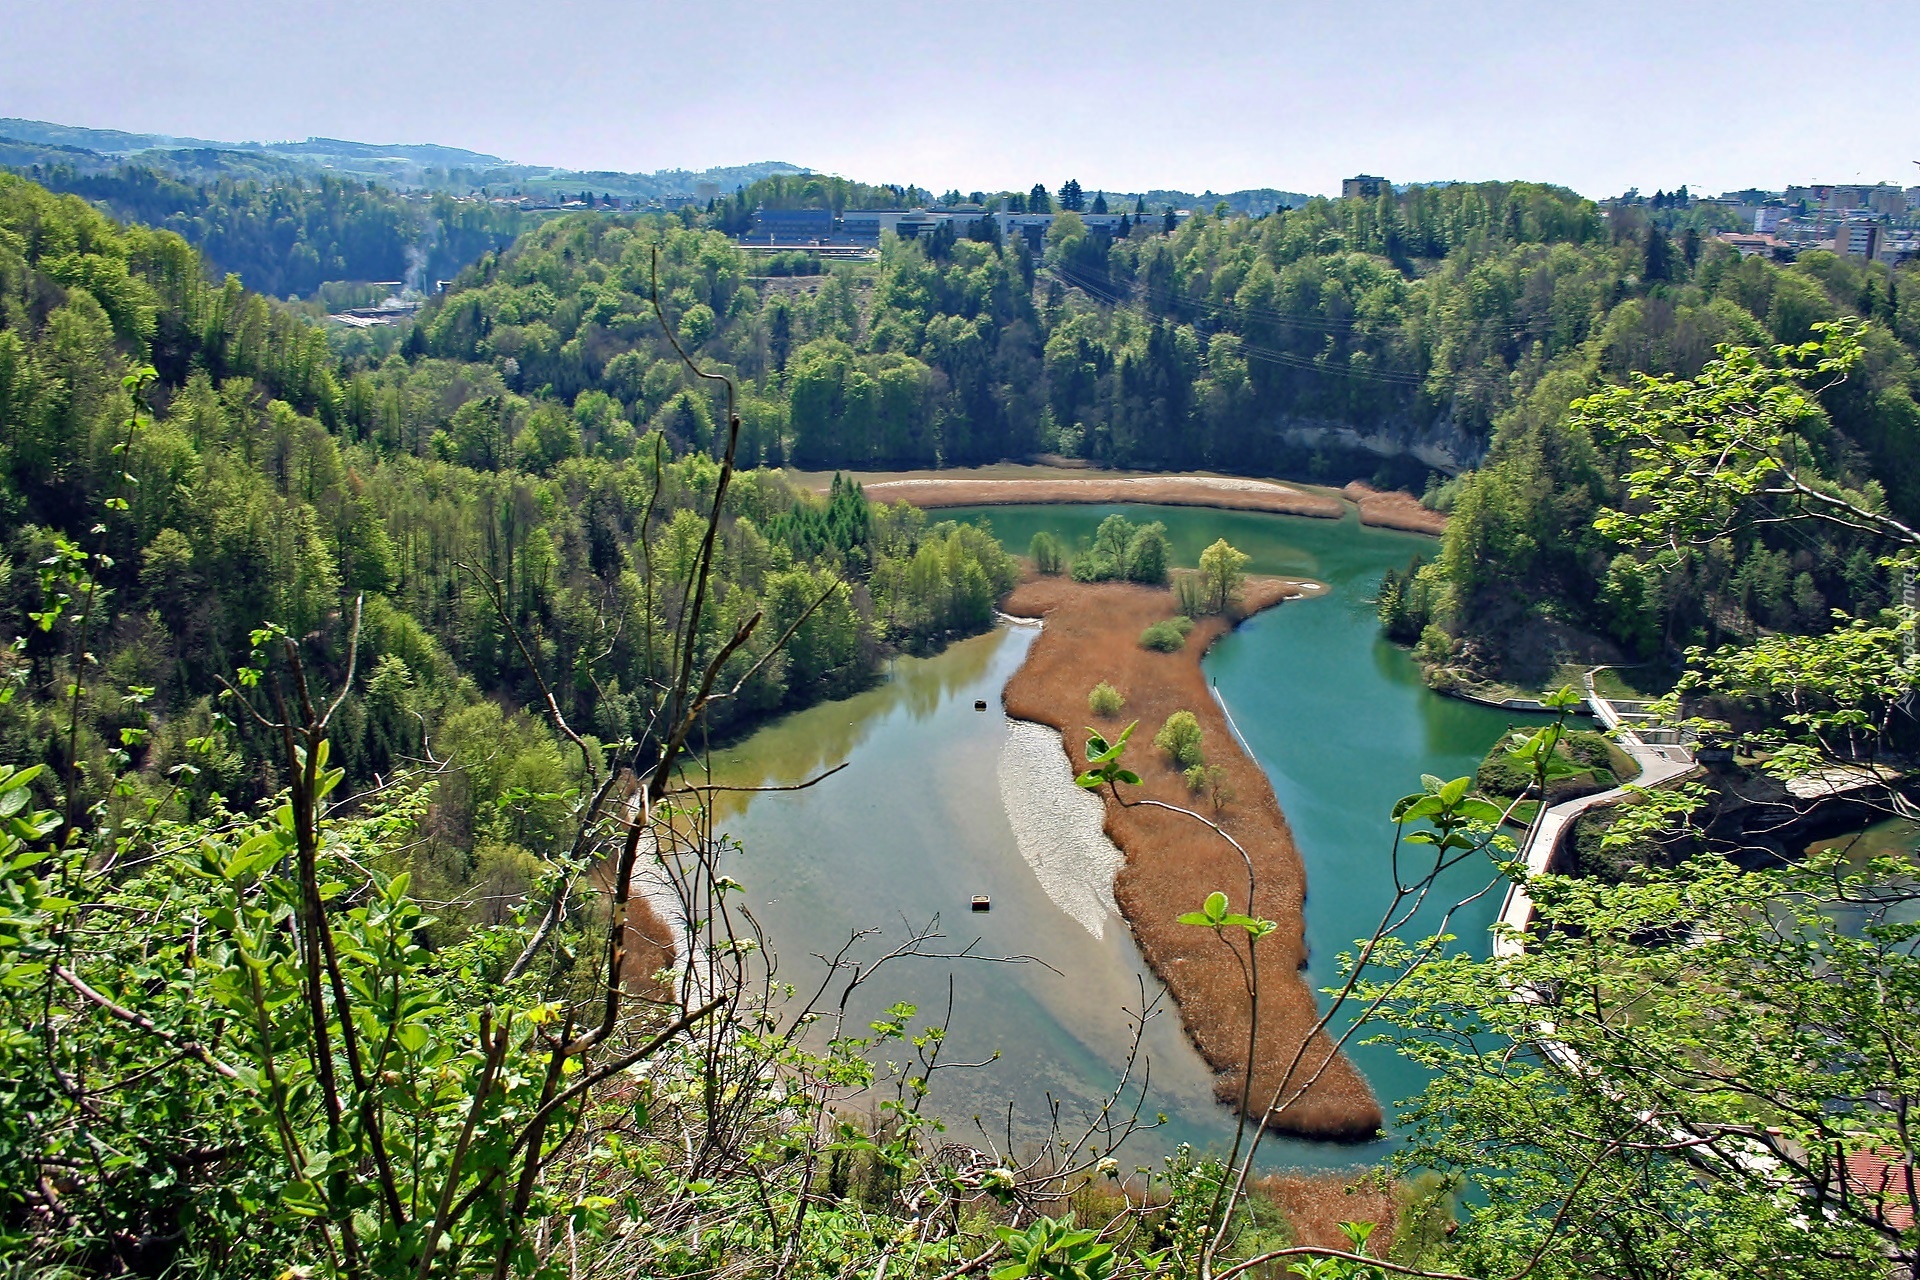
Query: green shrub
x=1501, y=775
x=1209, y=780
x=1048, y=556
x=1190, y=591
x=1122, y=550
x=1105, y=700
x=1435, y=645
x=1147, y=553
x=1179, y=737
x=1167, y=635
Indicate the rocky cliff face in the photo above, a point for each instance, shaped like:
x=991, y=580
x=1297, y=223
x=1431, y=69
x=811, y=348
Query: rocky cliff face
x=1441, y=444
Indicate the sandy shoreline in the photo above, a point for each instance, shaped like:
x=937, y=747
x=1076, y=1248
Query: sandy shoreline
x=1170, y=862
x=1058, y=825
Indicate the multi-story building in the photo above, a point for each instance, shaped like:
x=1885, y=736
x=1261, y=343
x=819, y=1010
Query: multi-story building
x=1857, y=238
x=792, y=226
x=1881, y=198
x=1365, y=186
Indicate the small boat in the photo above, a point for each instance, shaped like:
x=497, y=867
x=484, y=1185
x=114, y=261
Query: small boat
x=979, y=704
x=981, y=902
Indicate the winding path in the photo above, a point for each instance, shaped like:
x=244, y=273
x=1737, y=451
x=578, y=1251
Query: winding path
x=1659, y=764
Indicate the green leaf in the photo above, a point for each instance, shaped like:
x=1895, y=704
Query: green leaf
x=1477, y=810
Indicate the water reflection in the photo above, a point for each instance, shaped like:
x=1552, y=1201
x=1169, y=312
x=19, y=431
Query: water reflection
x=909, y=833
x=1893, y=838
x=915, y=827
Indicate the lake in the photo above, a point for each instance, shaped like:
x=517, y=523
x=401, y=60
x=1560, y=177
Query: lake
x=916, y=825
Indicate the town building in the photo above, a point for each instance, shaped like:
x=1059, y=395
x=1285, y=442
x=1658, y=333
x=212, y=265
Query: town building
x=1752, y=244
x=792, y=226
x=1881, y=198
x=1365, y=186
x=868, y=224
x=1857, y=238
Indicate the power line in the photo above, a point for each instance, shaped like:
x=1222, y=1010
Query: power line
x=1116, y=295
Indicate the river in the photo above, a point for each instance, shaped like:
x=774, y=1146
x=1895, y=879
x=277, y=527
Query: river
x=916, y=825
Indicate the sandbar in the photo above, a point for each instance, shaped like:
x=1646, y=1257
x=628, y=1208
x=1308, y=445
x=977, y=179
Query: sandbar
x=1171, y=862
x=1228, y=492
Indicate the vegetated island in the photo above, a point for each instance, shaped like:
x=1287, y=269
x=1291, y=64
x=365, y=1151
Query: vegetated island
x=1092, y=634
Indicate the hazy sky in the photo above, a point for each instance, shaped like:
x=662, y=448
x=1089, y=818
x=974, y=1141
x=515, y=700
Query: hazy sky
x=991, y=93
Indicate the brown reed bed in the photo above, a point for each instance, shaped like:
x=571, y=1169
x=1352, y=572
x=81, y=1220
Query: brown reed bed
x=1172, y=862
x=1394, y=510
x=650, y=950
x=1315, y=1204
x=1225, y=492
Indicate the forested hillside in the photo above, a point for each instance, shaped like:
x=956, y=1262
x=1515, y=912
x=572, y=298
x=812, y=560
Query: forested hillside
x=344, y=725
x=267, y=483
x=1346, y=339
x=1261, y=345
x=1524, y=580
x=289, y=236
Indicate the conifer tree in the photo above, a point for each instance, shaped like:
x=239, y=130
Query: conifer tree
x=1659, y=262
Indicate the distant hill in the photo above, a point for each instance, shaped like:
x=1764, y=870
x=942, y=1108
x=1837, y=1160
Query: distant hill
x=406, y=166
x=425, y=153
x=1254, y=202
x=104, y=141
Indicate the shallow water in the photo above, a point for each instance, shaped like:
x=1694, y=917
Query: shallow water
x=916, y=826
x=913, y=830
x=1890, y=838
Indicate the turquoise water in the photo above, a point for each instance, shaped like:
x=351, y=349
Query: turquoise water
x=1336, y=716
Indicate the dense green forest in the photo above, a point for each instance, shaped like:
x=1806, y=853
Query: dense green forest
x=1439, y=323
x=1524, y=580
x=352, y=693
x=1458, y=322
x=274, y=484
x=289, y=237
